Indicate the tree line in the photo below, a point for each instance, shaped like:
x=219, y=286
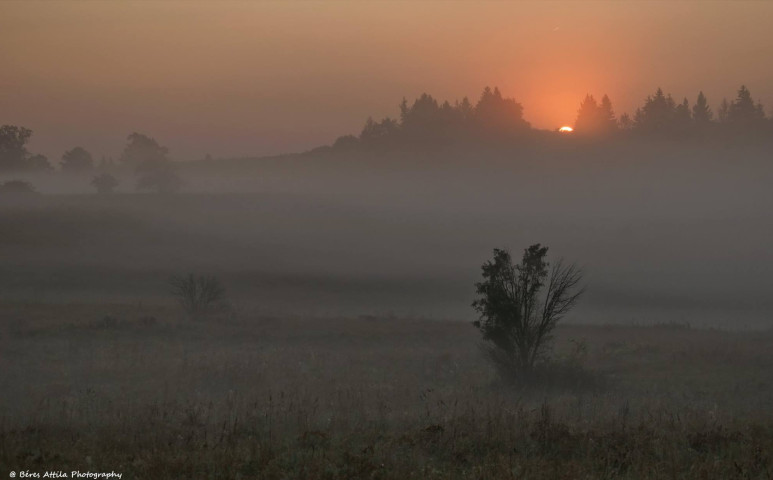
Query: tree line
x=498, y=118
x=493, y=119
x=142, y=155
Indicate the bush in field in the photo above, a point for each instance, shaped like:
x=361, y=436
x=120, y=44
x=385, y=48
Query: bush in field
x=519, y=306
x=198, y=294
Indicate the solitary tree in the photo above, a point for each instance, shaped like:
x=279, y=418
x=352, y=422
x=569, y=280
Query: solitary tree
x=519, y=306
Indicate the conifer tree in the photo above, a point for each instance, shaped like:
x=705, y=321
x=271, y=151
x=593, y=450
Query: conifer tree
x=701, y=112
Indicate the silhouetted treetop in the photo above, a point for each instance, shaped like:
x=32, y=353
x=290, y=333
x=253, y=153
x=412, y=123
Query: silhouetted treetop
x=77, y=160
x=744, y=114
x=13, y=150
x=429, y=122
x=142, y=149
x=594, y=119
x=701, y=112
x=155, y=172
x=657, y=115
x=499, y=116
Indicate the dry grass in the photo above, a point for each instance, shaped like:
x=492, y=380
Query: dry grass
x=150, y=394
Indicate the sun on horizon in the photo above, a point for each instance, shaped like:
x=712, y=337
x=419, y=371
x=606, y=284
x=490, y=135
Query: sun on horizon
x=566, y=129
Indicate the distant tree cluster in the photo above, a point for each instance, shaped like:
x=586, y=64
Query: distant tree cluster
x=143, y=156
x=426, y=121
x=495, y=118
x=661, y=115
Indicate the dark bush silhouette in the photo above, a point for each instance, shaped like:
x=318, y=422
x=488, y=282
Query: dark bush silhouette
x=198, y=294
x=519, y=310
x=104, y=183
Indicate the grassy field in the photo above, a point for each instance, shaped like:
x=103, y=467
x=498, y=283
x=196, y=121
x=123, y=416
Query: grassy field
x=138, y=389
x=348, y=351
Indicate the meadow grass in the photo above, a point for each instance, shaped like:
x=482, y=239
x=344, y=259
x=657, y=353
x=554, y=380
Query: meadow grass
x=141, y=390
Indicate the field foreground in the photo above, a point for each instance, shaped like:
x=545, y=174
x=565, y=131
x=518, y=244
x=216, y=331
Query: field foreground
x=141, y=391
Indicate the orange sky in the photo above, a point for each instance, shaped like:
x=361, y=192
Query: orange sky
x=249, y=78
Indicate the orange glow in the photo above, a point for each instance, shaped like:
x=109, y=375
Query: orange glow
x=565, y=129
x=300, y=74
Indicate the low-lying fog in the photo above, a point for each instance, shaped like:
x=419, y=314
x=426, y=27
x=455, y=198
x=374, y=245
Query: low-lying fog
x=665, y=234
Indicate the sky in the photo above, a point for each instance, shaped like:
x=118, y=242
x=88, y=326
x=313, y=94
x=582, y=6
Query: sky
x=255, y=78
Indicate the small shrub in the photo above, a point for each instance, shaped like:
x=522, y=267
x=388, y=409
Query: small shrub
x=198, y=294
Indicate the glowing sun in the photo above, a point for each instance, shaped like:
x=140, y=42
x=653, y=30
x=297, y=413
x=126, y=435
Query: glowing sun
x=565, y=129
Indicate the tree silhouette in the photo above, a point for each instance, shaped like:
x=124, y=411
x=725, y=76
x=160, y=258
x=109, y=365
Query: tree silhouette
x=625, y=122
x=143, y=149
x=150, y=160
x=497, y=120
x=607, y=118
x=379, y=133
x=421, y=121
x=701, y=112
x=657, y=114
x=346, y=142
x=743, y=114
x=13, y=151
x=497, y=116
x=594, y=119
x=587, y=116
x=682, y=121
x=724, y=111
x=77, y=160
x=519, y=306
